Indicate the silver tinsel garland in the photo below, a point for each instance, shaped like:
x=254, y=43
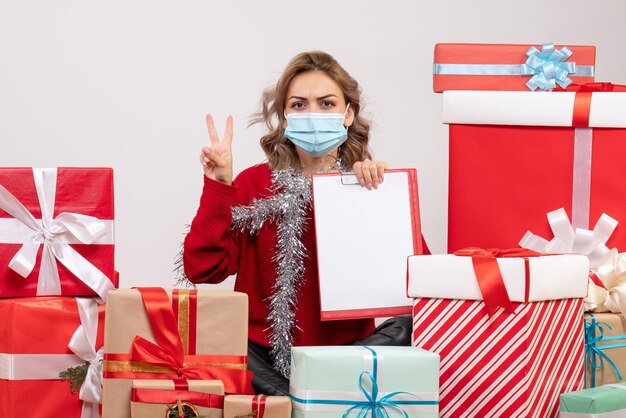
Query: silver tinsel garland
x=287, y=208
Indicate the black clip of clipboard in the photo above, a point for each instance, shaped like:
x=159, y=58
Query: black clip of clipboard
x=349, y=179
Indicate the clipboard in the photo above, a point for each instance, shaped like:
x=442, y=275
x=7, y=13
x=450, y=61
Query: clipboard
x=363, y=240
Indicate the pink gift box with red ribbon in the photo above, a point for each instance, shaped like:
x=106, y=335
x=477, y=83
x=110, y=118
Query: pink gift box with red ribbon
x=56, y=232
x=516, y=156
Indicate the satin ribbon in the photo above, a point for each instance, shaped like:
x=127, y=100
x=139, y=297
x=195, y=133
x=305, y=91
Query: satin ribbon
x=258, y=405
x=162, y=396
x=54, y=234
x=185, y=308
x=546, y=68
x=82, y=344
x=594, y=333
x=594, y=87
x=372, y=404
x=583, y=145
x=36, y=366
x=167, y=355
x=489, y=277
x=607, y=288
x=583, y=150
x=581, y=175
x=49, y=366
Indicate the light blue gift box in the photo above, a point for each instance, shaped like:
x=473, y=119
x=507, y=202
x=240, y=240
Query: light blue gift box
x=355, y=381
x=608, y=401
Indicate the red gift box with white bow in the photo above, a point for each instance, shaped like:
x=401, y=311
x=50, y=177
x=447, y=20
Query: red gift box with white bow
x=56, y=232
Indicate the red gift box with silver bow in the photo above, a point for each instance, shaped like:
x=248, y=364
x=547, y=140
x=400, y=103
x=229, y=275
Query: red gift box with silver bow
x=516, y=156
x=56, y=232
x=41, y=337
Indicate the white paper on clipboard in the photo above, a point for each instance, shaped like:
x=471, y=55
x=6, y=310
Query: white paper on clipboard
x=363, y=240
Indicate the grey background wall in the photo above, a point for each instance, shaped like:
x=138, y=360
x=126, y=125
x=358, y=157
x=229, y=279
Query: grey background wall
x=126, y=84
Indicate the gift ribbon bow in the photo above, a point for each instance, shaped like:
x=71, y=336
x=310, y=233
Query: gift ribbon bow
x=610, y=292
x=376, y=407
x=591, y=243
x=594, y=333
x=54, y=234
x=608, y=268
x=489, y=277
x=548, y=67
x=168, y=352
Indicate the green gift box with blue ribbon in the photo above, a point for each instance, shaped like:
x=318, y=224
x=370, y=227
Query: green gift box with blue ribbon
x=607, y=401
x=359, y=382
x=605, y=348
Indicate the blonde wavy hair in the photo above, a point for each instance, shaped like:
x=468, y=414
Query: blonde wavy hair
x=281, y=153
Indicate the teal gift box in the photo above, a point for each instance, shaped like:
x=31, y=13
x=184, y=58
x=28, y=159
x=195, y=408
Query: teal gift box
x=356, y=381
x=608, y=401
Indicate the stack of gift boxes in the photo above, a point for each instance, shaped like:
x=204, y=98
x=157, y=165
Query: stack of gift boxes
x=162, y=353
x=508, y=321
x=183, y=353
x=56, y=238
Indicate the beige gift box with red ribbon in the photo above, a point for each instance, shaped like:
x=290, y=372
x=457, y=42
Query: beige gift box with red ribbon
x=156, y=398
x=259, y=406
x=177, y=334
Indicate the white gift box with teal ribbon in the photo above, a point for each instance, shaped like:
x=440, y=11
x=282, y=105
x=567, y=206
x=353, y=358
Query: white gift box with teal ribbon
x=355, y=381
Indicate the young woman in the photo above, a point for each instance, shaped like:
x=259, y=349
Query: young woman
x=260, y=225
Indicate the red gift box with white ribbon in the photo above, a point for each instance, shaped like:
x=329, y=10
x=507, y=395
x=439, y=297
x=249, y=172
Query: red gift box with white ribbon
x=40, y=338
x=507, y=325
x=516, y=156
x=56, y=232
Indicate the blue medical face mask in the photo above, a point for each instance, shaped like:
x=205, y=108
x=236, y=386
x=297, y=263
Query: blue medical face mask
x=317, y=133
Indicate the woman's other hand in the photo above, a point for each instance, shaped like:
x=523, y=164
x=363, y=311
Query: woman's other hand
x=217, y=160
x=370, y=173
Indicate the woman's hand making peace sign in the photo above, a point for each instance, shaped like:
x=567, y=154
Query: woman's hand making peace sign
x=217, y=160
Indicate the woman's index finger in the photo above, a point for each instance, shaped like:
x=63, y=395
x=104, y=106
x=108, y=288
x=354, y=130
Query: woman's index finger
x=211, y=127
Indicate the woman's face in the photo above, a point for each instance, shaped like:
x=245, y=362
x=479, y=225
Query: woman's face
x=315, y=91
